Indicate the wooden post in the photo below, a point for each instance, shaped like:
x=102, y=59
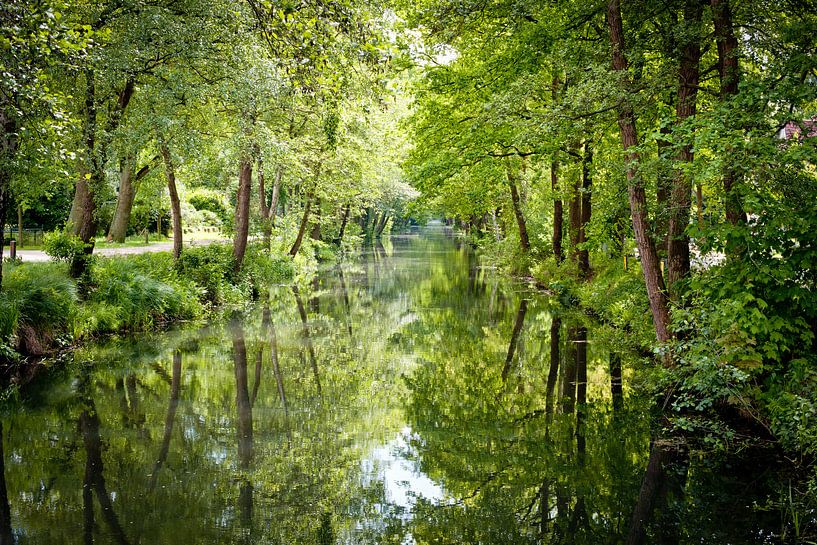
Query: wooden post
x=13, y=249
x=626, y=263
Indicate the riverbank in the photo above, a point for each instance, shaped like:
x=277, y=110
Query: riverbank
x=43, y=310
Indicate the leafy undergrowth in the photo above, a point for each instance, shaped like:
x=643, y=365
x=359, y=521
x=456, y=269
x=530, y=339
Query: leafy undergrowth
x=744, y=365
x=42, y=309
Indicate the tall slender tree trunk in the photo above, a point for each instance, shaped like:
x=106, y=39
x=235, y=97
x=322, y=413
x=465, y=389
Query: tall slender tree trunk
x=3, y=209
x=574, y=214
x=524, y=242
x=346, y=210
x=175, y=205
x=315, y=234
x=242, y=211
x=276, y=193
x=302, y=229
x=730, y=78
x=9, y=144
x=587, y=209
x=266, y=222
x=558, y=219
x=19, y=226
x=653, y=279
x=681, y=194
x=662, y=193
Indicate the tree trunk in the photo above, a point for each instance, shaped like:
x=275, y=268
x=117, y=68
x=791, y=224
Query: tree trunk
x=653, y=279
x=3, y=208
x=344, y=221
x=381, y=225
x=8, y=152
x=681, y=194
x=175, y=205
x=266, y=223
x=302, y=229
x=75, y=215
x=276, y=192
x=574, y=214
x=83, y=209
x=587, y=210
x=19, y=226
x=662, y=193
x=558, y=219
x=242, y=211
x=315, y=234
x=124, y=204
x=730, y=77
x=524, y=243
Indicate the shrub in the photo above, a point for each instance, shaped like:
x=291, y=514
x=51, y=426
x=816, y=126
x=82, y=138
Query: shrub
x=261, y=270
x=212, y=267
x=45, y=300
x=211, y=201
x=63, y=246
x=141, y=299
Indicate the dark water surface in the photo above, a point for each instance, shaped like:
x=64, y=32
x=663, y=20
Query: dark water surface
x=405, y=397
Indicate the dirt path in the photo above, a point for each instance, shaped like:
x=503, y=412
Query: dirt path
x=39, y=256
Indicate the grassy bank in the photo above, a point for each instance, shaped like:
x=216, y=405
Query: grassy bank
x=42, y=309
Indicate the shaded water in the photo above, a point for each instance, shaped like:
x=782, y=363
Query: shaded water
x=405, y=397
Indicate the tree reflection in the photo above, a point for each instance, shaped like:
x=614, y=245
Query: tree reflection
x=6, y=536
x=245, y=430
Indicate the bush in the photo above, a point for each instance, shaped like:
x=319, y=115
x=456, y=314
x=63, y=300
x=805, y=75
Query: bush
x=212, y=267
x=141, y=299
x=211, y=201
x=63, y=246
x=41, y=300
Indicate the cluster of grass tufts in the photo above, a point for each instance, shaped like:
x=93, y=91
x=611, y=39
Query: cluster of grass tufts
x=40, y=308
x=38, y=304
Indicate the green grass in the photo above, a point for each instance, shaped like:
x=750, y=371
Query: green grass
x=41, y=309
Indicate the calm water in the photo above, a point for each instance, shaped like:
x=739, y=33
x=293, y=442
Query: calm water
x=407, y=396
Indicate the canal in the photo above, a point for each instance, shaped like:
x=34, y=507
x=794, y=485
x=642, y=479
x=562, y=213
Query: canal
x=405, y=395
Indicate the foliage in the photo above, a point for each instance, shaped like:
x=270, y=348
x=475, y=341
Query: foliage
x=63, y=246
x=142, y=301
x=42, y=300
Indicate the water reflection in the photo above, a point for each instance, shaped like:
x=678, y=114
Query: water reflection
x=409, y=396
